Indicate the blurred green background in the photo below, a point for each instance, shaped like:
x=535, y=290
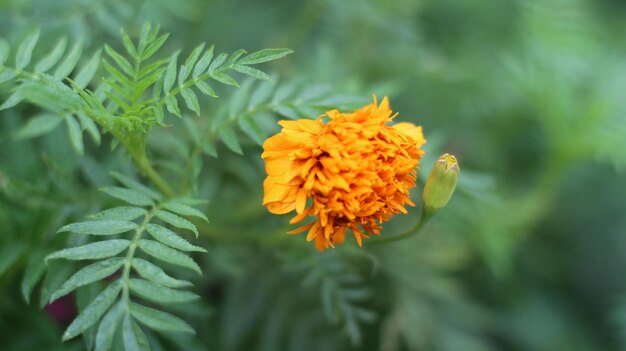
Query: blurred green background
x=529, y=255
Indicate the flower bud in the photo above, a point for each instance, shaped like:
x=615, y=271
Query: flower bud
x=440, y=183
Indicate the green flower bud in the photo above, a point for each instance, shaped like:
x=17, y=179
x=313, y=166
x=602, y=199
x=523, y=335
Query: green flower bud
x=440, y=183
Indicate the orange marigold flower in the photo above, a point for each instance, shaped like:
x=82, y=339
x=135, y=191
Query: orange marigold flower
x=353, y=172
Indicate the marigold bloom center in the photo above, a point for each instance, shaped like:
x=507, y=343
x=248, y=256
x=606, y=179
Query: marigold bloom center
x=353, y=172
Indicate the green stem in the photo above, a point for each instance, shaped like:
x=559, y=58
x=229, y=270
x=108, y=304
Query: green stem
x=133, y=143
x=424, y=218
x=131, y=253
x=137, y=149
x=145, y=166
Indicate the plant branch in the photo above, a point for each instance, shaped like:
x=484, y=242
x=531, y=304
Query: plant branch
x=131, y=253
x=143, y=163
x=424, y=218
x=137, y=149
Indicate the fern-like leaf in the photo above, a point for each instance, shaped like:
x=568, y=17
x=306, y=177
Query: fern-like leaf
x=48, y=91
x=202, y=66
x=125, y=229
x=342, y=294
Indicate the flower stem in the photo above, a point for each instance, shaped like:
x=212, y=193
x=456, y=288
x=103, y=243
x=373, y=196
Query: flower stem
x=424, y=218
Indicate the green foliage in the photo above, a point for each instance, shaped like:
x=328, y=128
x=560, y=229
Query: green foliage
x=47, y=91
x=129, y=100
x=129, y=81
x=527, y=256
x=133, y=94
x=343, y=293
x=154, y=285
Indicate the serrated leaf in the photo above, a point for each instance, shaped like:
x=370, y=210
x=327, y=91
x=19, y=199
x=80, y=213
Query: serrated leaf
x=205, y=88
x=7, y=75
x=51, y=94
x=108, y=325
x=283, y=92
x=114, y=144
x=252, y=129
x=191, y=100
x=47, y=62
x=184, y=210
x=32, y=274
x=158, y=320
x=13, y=100
x=167, y=254
x=170, y=73
x=122, y=213
x=147, y=81
x=264, y=56
x=56, y=274
x=130, y=196
x=94, y=100
x=171, y=239
x=113, y=105
x=5, y=49
x=190, y=201
x=90, y=315
x=25, y=50
x=135, y=185
x=146, y=33
x=287, y=112
x=159, y=116
x=134, y=338
x=153, y=33
x=155, y=274
x=191, y=60
x=203, y=63
x=160, y=71
x=75, y=134
x=160, y=294
x=261, y=94
x=176, y=221
x=182, y=75
x=99, y=227
x=67, y=66
x=83, y=298
x=230, y=139
x=128, y=44
x=120, y=60
x=93, y=251
x=224, y=78
x=154, y=46
x=86, y=74
x=238, y=101
x=217, y=62
x=39, y=125
x=172, y=105
x=90, y=126
x=252, y=72
x=88, y=275
x=209, y=148
x=234, y=57
x=119, y=76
